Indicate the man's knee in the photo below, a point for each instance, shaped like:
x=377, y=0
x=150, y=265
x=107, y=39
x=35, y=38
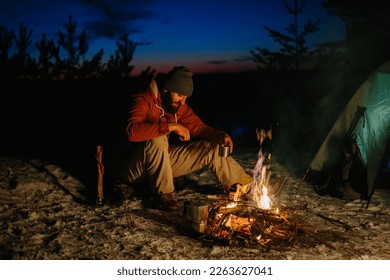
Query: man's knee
x=211, y=147
x=157, y=143
x=207, y=148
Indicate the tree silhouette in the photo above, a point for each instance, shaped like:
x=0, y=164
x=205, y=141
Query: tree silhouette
x=293, y=48
x=68, y=42
x=120, y=63
x=50, y=64
x=21, y=60
x=48, y=51
x=93, y=68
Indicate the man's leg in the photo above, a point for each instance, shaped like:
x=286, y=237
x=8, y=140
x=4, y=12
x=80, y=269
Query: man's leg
x=150, y=161
x=193, y=156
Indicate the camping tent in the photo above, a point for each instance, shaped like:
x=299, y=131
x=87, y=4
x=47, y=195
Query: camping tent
x=372, y=130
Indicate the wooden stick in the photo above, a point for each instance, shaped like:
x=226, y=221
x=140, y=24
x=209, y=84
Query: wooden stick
x=304, y=176
x=334, y=221
x=100, y=170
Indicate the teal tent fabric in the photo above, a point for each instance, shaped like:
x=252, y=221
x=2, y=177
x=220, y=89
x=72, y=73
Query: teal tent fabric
x=372, y=131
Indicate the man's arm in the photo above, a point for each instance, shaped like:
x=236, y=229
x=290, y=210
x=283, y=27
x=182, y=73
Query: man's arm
x=144, y=121
x=199, y=129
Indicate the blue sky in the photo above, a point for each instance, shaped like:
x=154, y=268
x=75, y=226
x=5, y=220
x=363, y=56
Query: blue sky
x=213, y=35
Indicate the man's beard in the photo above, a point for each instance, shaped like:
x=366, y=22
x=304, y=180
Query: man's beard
x=168, y=103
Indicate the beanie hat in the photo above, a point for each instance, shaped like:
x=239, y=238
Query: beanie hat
x=179, y=80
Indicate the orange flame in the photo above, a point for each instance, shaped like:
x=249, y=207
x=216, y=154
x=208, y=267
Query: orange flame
x=260, y=191
x=260, y=174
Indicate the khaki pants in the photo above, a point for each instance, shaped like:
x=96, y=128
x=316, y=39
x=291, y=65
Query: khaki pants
x=152, y=161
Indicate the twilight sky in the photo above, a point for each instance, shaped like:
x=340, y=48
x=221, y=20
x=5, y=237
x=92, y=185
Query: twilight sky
x=212, y=35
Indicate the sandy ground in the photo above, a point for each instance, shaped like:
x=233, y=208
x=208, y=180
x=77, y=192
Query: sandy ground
x=43, y=217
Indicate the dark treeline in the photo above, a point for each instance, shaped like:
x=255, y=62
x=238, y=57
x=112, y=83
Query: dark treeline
x=62, y=59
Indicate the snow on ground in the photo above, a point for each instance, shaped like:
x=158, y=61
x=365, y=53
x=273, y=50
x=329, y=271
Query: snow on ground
x=41, y=219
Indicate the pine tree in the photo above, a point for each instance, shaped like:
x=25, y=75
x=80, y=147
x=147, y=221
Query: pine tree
x=68, y=42
x=120, y=63
x=49, y=57
x=293, y=44
x=21, y=60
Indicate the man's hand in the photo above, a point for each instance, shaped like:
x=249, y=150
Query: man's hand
x=183, y=132
x=224, y=138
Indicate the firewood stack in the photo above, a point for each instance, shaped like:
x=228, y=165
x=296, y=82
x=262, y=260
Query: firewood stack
x=242, y=223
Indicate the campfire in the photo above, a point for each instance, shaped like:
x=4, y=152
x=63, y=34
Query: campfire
x=247, y=216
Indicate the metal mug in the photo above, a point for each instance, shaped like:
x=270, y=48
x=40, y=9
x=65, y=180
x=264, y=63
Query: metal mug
x=224, y=150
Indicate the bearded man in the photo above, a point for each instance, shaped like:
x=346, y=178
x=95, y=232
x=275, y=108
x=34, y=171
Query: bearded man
x=157, y=114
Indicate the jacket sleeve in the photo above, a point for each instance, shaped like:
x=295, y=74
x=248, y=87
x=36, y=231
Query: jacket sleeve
x=143, y=122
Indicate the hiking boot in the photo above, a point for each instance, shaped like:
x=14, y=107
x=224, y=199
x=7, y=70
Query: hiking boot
x=166, y=202
x=113, y=196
